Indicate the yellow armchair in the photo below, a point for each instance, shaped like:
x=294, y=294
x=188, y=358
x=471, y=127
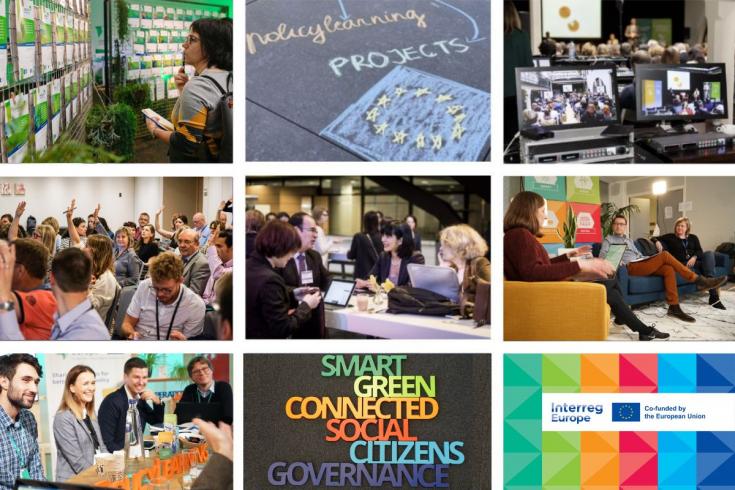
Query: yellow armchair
x=555, y=311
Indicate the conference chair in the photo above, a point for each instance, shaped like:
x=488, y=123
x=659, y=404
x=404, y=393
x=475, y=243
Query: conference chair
x=126, y=296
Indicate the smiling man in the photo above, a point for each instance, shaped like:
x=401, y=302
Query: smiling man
x=19, y=453
x=114, y=407
x=163, y=307
x=196, y=268
x=205, y=390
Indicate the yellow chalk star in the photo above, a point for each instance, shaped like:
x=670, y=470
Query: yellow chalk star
x=420, y=141
x=399, y=137
x=443, y=98
x=383, y=101
x=457, y=131
x=373, y=114
x=437, y=142
x=380, y=128
x=454, y=109
x=399, y=91
x=459, y=118
x=422, y=91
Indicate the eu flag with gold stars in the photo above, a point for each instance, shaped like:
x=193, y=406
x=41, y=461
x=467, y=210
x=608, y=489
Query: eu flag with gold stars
x=411, y=115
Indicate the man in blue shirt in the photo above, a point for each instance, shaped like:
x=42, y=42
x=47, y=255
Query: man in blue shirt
x=19, y=453
x=202, y=227
x=71, y=273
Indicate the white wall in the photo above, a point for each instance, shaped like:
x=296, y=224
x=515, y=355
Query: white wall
x=713, y=204
x=51, y=196
x=122, y=198
x=216, y=190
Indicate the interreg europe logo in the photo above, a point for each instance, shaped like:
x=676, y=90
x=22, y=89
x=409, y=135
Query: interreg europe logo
x=626, y=412
x=574, y=412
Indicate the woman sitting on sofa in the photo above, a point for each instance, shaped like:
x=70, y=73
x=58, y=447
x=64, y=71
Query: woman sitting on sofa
x=686, y=248
x=525, y=259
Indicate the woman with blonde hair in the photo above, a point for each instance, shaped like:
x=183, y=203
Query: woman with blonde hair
x=76, y=431
x=103, y=288
x=127, y=264
x=463, y=249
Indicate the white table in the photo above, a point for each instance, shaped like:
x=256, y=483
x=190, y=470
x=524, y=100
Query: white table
x=390, y=326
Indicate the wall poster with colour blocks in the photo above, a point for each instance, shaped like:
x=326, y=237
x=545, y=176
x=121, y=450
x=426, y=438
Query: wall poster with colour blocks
x=676, y=454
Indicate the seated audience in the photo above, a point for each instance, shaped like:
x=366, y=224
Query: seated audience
x=104, y=287
x=268, y=302
x=71, y=274
x=254, y=221
x=35, y=304
x=685, y=247
x=219, y=257
x=662, y=264
x=525, y=259
x=146, y=248
x=163, y=307
x=127, y=264
x=196, y=267
x=199, y=222
x=397, y=253
x=178, y=221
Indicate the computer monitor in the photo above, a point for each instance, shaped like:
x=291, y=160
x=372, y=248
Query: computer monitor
x=681, y=92
x=567, y=97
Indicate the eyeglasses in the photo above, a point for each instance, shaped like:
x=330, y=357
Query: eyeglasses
x=192, y=39
x=203, y=370
x=161, y=290
x=619, y=223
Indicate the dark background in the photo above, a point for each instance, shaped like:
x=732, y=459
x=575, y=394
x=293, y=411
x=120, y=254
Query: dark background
x=644, y=9
x=462, y=391
x=292, y=93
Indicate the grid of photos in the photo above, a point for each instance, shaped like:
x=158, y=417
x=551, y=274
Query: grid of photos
x=118, y=367
x=432, y=289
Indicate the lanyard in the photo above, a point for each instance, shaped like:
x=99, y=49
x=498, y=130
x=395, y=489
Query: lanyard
x=173, y=316
x=685, y=242
x=199, y=397
x=18, y=453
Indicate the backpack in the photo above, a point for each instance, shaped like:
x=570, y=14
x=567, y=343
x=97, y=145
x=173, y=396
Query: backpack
x=418, y=301
x=646, y=247
x=224, y=106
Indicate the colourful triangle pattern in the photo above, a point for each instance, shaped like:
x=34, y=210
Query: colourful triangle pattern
x=600, y=373
x=677, y=373
x=522, y=370
x=716, y=373
x=560, y=373
x=638, y=468
x=638, y=373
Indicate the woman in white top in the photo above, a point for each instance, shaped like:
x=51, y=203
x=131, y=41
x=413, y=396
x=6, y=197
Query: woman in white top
x=104, y=286
x=322, y=244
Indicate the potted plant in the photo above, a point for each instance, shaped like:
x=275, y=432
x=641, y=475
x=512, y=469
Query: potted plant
x=569, y=237
x=609, y=210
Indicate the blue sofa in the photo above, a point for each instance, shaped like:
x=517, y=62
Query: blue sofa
x=638, y=290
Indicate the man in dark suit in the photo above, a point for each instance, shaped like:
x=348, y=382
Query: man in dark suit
x=114, y=407
x=306, y=269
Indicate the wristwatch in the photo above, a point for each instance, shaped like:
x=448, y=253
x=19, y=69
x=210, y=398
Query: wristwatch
x=7, y=305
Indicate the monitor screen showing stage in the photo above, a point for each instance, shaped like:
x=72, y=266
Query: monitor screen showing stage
x=572, y=19
x=681, y=92
x=568, y=97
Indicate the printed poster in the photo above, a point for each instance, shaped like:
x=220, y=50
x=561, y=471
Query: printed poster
x=548, y=186
x=133, y=68
x=554, y=226
x=619, y=421
x=40, y=116
x=583, y=189
x=55, y=109
x=587, y=217
x=3, y=44
x=67, y=98
x=25, y=25
x=17, y=127
x=69, y=39
x=60, y=23
x=47, y=46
